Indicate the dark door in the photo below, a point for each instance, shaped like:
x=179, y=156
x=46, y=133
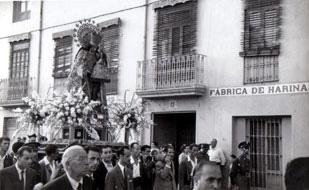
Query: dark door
x=174, y=128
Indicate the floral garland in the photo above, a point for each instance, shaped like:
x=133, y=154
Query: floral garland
x=128, y=114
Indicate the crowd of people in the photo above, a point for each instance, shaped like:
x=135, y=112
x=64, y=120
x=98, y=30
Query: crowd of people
x=133, y=167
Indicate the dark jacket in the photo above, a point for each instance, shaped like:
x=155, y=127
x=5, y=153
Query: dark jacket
x=9, y=179
x=8, y=161
x=99, y=176
x=63, y=183
x=164, y=179
x=116, y=181
x=184, y=174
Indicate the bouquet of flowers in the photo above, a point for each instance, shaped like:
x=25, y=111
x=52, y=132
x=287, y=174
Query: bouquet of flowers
x=35, y=115
x=128, y=114
x=74, y=109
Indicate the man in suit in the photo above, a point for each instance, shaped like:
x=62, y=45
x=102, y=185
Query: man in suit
x=93, y=153
x=105, y=166
x=19, y=176
x=120, y=177
x=186, y=168
x=50, y=169
x=75, y=163
x=6, y=160
x=135, y=165
x=147, y=168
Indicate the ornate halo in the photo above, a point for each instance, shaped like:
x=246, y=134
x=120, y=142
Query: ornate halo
x=82, y=32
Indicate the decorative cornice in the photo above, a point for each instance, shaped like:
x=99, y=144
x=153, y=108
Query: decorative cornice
x=63, y=34
x=19, y=37
x=108, y=23
x=164, y=3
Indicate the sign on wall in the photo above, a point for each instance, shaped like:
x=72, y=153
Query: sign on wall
x=260, y=90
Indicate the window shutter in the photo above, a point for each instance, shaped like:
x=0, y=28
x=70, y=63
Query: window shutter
x=111, y=49
x=63, y=57
x=175, y=30
x=19, y=66
x=262, y=24
x=271, y=27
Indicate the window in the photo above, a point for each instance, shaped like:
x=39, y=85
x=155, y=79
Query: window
x=261, y=35
x=110, y=44
x=21, y=10
x=176, y=29
x=19, y=66
x=265, y=137
x=63, y=57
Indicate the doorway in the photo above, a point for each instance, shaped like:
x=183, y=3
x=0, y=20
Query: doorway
x=174, y=128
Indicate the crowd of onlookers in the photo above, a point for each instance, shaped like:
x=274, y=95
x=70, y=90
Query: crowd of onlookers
x=133, y=167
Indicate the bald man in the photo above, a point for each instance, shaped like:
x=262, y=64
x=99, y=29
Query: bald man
x=75, y=163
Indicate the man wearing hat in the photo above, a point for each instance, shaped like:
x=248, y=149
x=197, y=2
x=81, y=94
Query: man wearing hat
x=241, y=167
x=32, y=138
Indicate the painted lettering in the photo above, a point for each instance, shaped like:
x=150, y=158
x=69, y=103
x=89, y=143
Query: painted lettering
x=304, y=88
x=254, y=90
x=261, y=90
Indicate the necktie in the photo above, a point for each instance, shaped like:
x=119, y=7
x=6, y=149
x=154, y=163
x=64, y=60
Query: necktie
x=125, y=179
x=22, y=181
x=79, y=187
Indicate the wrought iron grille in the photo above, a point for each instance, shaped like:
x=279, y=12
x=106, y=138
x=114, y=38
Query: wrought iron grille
x=265, y=138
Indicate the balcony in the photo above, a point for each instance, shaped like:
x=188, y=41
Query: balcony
x=13, y=90
x=171, y=76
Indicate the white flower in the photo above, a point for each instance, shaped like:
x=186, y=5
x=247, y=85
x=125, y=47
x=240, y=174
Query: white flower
x=59, y=114
x=78, y=110
x=67, y=108
x=66, y=113
x=73, y=114
x=72, y=110
x=42, y=113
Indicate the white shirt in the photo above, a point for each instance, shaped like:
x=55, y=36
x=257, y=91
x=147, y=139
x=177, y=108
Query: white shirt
x=216, y=155
x=193, y=164
x=136, y=168
x=122, y=169
x=52, y=164
x=109, y=167
x=19, y=174
x=74, y=183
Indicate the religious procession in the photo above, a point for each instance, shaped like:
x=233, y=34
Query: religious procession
x=154, y=95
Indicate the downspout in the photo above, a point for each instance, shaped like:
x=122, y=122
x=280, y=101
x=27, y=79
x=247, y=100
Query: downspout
x=40, y=46
x=145, y=46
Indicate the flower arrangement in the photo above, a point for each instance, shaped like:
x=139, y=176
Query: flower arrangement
x=128, y=114
x=36, y=113
x=74, y=109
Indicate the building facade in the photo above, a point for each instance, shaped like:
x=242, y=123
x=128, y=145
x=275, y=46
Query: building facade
x=233, y=70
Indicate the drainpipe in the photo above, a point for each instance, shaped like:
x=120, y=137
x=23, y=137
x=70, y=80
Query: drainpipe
x=145, y=46
x=40, y=46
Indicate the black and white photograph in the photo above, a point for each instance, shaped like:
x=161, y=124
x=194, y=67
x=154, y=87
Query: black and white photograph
x=154, y=95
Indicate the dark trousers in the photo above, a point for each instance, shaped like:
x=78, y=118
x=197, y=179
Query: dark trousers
x=137, y=183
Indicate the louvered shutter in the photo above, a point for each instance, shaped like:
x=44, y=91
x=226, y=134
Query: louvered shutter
x=175, y=30
x=111, y=49
x=63, y=57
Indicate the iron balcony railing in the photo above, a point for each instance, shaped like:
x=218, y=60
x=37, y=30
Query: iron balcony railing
x=12, y=89
x=171, y=72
